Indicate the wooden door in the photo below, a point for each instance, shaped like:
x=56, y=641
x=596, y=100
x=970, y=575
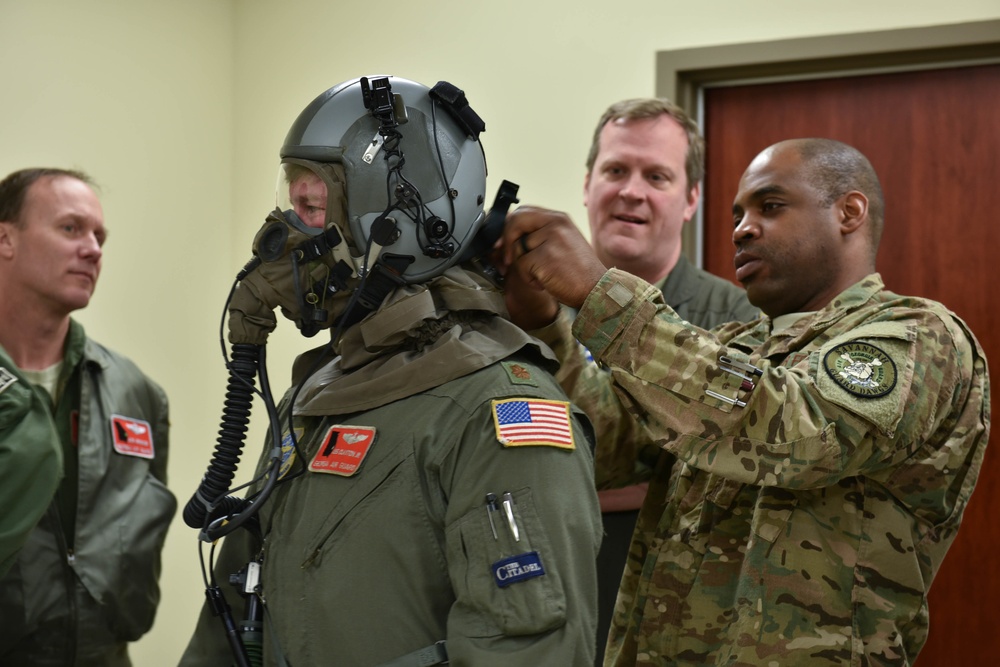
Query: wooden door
x=933, y=136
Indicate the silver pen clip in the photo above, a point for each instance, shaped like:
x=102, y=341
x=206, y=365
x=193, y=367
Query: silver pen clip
x=732, y=401
x=745, y=372
x=746, y=368
x=492, y=508
x=508, y=508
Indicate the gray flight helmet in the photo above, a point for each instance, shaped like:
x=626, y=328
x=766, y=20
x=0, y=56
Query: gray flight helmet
x=410, y=154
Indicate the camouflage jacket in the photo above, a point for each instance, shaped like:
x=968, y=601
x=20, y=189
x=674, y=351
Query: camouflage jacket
x=813, y=500
x=697, y=296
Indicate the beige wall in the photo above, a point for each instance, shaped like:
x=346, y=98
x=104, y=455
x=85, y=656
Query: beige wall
x=140, y=95
x=178, y=110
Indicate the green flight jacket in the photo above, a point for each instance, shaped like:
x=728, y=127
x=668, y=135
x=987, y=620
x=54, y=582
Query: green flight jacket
x=811, y=507
x=80, y=606
x=401, y=550
x=705, y=299
x=30, y=459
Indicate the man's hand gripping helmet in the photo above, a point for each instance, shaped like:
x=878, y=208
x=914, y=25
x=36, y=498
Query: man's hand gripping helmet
x=382, y=182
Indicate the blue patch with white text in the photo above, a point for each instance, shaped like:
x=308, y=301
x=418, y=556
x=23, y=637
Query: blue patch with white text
x=514, y=569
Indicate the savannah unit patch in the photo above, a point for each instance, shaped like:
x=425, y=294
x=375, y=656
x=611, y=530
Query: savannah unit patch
x=862, y=369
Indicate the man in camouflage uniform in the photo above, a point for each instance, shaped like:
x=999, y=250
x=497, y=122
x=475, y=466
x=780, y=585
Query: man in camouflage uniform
x=826, y=452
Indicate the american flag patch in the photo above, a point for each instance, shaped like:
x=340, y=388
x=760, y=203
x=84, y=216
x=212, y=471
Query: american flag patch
x=531, y=421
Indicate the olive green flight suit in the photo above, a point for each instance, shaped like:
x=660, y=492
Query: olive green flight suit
x=86, y=581
x=395, y=547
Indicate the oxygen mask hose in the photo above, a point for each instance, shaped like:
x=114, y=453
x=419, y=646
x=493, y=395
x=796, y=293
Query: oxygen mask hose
x=232, y=432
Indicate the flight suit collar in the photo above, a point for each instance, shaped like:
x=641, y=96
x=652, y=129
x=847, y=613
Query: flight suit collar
x=420, y=338
x=778, y=346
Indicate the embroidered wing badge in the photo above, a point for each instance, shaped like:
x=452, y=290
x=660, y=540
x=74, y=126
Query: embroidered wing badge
x=131, y=437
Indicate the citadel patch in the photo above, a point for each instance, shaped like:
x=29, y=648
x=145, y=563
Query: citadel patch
x=6, y=379
x=343, y=450
x=517, y=568
x=132, y=437
x=862, y=369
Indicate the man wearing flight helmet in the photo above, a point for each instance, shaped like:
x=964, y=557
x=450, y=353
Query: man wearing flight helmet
x=436, y=498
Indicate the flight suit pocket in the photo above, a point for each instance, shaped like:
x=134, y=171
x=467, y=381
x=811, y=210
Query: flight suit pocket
x=506, y=580
x=382, y=492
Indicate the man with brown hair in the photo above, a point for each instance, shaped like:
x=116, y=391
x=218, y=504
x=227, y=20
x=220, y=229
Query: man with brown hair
x=85, y=581
x=643, y=183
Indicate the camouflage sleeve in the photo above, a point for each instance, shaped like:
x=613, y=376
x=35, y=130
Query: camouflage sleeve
x=803, y=425
x=619, y=438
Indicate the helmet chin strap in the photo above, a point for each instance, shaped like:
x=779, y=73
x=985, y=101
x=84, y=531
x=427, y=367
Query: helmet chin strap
x=383, y=279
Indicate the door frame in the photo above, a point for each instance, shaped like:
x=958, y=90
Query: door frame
x=682, y=75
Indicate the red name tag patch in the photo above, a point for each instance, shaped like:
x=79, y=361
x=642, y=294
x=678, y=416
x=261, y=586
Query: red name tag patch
x=343, y=450
x=132, y=437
